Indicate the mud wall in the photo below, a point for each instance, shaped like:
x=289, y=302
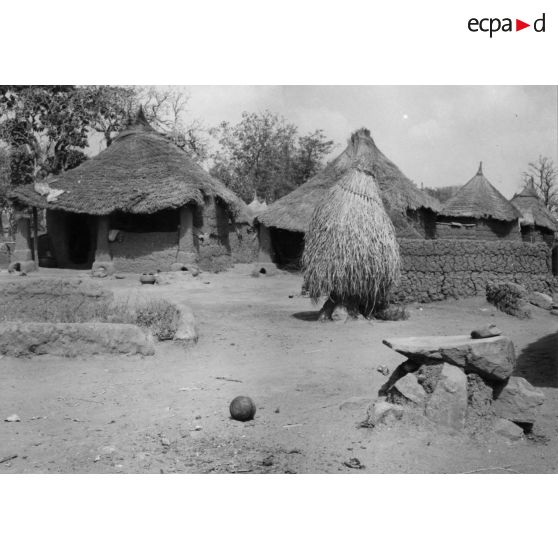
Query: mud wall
x=476, y=229
x=537, y=234
x=439, y=269
x=243, y=238
x=144, y=252
x=5, y=254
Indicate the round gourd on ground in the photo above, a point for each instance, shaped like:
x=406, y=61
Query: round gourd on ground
x=242, y=408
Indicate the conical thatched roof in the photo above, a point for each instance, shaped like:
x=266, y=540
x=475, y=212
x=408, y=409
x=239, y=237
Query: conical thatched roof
x=142, y=171
x=479, y=199
x=351, y=254
x=533, y=210
x=294, y=211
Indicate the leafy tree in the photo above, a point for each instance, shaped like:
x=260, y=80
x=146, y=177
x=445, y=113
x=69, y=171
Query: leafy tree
x=4, y=176
x=109, y=108
x=312, y=149
x=442, y=194
x=45, y=127
x=544, y=175
x=263, y=156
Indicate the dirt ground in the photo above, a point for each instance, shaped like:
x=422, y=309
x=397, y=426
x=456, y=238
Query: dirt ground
x=169, y=413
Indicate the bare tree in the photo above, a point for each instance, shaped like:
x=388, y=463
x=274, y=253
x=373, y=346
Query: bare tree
x=544, y=175
x=166, y=108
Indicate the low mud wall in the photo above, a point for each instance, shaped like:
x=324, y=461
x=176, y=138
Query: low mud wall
x=438, y=269
x=19, y=339
x=28, y=298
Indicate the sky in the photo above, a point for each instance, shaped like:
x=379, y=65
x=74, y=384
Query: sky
x=437, y=135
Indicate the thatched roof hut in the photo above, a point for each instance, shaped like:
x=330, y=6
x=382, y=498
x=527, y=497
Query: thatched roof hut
x=537, y=223
x=479, y=199
x=141, y=172
x=533, y=210
x=478, y=211
x=351, y=254
x=142, y=204
x=400, y=196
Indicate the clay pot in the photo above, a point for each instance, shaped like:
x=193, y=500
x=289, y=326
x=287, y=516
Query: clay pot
x=147, y=279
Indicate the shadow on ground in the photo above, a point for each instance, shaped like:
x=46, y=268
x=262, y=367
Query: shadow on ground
x=538, y=362
x=310, y=316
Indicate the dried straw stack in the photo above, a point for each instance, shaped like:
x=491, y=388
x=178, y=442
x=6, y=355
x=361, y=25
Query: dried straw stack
x=351, y=254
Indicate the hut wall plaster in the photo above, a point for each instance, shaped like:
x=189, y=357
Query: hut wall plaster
x=144, y=252
x=243, y=238
x=537, y=234
x=440, y=269
x=4, y=255
x=476, y=229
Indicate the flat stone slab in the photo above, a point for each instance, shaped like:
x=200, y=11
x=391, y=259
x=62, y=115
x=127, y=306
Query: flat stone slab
x=492, y=358
x=20, y=339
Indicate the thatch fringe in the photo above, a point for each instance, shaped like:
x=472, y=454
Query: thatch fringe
x=351, y=254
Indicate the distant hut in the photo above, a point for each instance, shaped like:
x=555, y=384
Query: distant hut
x=478, y=211
x=537, y=223
x=142, y=204
x=351, y=254
x=286, y=221
x=255, y=207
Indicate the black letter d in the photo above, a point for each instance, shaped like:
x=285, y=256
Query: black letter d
x=542, y=24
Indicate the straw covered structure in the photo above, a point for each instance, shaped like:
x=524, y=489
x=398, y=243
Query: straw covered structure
x=142, y=171
x=351, y=253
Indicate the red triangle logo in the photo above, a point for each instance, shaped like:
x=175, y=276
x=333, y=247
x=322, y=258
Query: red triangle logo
x=519, y=25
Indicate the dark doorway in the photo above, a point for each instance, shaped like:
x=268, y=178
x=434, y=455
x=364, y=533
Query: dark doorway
x=80, y=245
x=287, y=247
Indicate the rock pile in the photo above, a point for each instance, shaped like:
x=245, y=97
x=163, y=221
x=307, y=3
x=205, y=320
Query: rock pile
x=516, y=300
x=462, y=382
x=510, y=298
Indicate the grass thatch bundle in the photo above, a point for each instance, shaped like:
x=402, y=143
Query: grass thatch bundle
x=351, y=254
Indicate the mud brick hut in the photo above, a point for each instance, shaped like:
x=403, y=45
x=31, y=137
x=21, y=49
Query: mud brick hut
x=537, y=223
x=478, y=211
x=140, y=205
x=283, y=225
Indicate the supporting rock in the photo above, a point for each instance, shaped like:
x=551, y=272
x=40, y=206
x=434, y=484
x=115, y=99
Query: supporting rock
x=409, y=388
x=518, y=401
x=508, y=430
x=381, y=411
x=448, y=403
